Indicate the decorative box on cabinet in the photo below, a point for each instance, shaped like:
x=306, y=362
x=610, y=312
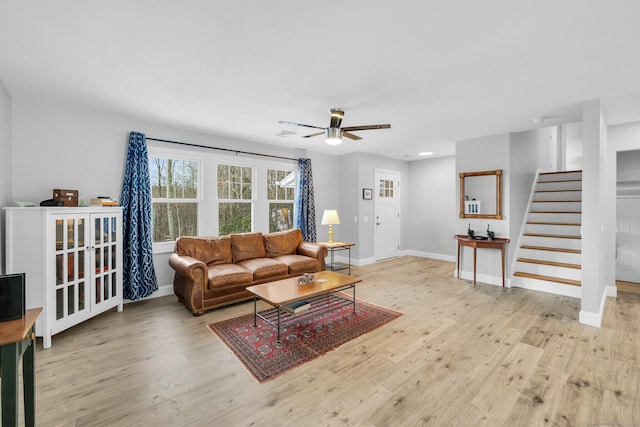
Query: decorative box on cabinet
x=72, y=258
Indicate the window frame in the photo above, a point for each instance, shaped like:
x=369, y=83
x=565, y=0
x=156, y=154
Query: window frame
x=278, y=167
x=253, y=201
x=208, y=186
x=167, y=153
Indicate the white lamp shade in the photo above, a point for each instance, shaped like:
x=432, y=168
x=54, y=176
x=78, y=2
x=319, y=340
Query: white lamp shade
x=330, y=217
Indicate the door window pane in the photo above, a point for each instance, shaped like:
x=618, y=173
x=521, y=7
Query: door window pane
x=59, y=303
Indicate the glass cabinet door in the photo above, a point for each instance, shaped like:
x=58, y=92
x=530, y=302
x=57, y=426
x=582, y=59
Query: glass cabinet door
x=104, y=237
x=71, y=259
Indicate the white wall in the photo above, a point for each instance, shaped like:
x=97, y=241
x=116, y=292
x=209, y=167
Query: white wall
x=625, y=140
x=357, y=171
x=573, y=146
x=5, y=163
x=524, y=161
x=598, y=215
x=431, y=216
x=628, y=173
x=78, y=147
x=481, y=154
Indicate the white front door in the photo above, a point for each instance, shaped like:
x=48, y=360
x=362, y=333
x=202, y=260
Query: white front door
x=387, y=215
x=628, y=240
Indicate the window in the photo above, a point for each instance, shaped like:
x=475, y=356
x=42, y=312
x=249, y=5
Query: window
x=280, y=194
x=175, y=199
x=235, y=199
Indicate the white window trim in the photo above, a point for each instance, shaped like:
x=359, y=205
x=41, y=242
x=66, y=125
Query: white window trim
x=167, y=153
x=208, y=188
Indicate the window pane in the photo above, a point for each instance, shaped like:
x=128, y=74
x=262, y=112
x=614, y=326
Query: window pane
x=280, y=216
x=223, y=190
x=274, y=190
x=172, y=220
x=234, y=218
x=174, y=179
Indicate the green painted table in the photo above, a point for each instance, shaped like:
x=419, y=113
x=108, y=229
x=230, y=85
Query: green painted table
x=17, y=339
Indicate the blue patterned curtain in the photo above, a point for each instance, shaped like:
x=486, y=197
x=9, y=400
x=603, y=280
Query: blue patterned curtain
x=139, y=276
x=305, y=208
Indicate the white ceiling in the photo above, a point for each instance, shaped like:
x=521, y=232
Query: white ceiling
x=436, y=71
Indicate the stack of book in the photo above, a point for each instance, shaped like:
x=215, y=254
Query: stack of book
x=296, y=307
x=104, y=201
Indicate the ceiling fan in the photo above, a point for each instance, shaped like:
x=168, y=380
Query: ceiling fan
x=334, y=133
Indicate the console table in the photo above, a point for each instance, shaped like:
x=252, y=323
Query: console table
x=497, y=243
x=17, y=339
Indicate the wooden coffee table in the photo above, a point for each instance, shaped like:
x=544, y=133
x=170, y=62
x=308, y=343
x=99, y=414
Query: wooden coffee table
x=322, y=294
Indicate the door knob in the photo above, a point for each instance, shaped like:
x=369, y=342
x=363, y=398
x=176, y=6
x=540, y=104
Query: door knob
x=377, y=223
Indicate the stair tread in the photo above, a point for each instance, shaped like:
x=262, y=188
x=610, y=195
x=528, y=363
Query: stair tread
x=556, y=201
x=555, y=212
x=546, y=248
x=557, y=236
x=554, y=223
x=548, y=278
x=550, y=263
x=560, y=180
x=560, y=172
x=555, y=191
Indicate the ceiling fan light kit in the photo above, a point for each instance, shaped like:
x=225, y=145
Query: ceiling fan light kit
x=333, y=136
x=334, y=133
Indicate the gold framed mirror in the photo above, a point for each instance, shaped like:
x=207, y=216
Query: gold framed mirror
x=481, y=194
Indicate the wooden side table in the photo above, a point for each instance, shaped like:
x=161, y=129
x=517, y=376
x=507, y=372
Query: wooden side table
x=17, y=339
x=338, y=246
x=497, y=243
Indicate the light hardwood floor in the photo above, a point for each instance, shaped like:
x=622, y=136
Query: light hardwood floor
x=460, y=356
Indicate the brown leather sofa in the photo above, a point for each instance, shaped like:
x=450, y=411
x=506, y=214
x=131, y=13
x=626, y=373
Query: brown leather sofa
x=211, y=272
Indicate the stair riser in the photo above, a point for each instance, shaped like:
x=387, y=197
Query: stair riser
x=549, y=287
x=548, y=217
x=565, y=257
x=549, y=270
x=557, y=206
x=558, y=195
x=569, y=185
x=551, y=242
x=560, y=176
x=570, y=230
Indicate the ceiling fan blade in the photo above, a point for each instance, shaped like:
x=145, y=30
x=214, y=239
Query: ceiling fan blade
x=350, y=135
x=282, y=122
x=366, y=127
x=313, y=134
x=336, y=118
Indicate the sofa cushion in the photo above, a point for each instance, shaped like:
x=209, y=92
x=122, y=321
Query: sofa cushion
x=247, y=246
x=265, y=268
x=210, y=250
x=228, y=274
x=282, y=242
x=299, y=264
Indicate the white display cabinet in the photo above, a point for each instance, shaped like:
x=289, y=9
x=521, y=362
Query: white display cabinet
x=72, y=258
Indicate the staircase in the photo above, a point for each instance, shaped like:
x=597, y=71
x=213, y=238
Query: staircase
x=549, y=256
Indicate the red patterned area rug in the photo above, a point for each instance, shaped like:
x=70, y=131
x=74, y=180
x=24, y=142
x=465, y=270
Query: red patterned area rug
x=304, y=338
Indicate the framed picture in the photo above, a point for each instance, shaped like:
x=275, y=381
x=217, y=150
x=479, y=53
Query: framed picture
x=367, y=193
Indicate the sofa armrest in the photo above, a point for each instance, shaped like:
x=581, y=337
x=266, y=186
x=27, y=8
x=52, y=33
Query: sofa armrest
x=188, y=267
x=314, y=250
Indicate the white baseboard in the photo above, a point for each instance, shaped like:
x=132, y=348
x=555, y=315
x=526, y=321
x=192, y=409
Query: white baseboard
x=482, y=278
x=440, y=257
x=162, y=291
x=595, y=319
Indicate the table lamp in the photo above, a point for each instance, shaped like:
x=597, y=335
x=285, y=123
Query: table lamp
x=330, y=217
